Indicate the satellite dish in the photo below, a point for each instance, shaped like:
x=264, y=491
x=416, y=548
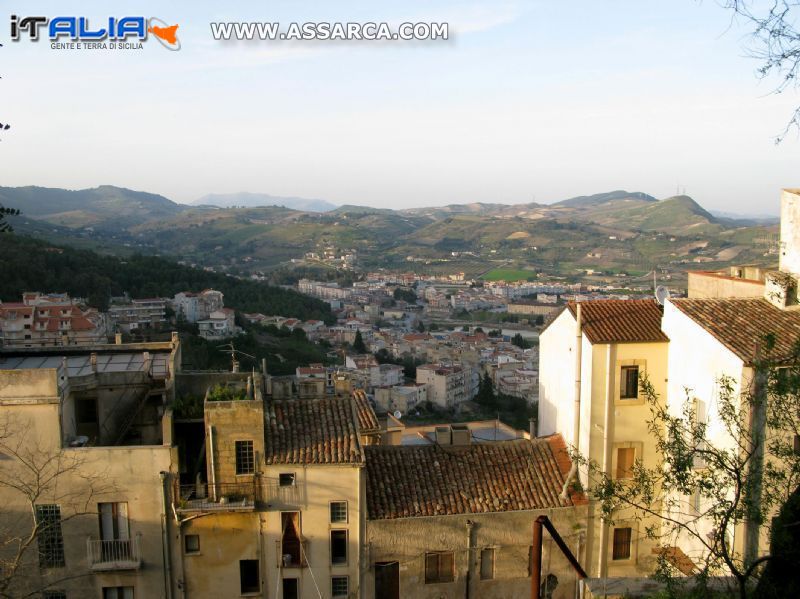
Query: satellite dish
x=398, y=414
x=662, y=294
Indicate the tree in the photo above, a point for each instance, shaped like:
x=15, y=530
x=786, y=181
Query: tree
x=33, y=475
x=700, y=482
x=5, y=227
x=775, y=42
x=358, y=344
x=486, y=396
x=520, y=341
x=421, y=326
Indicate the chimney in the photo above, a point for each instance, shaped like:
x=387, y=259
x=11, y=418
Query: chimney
x=460, y=434
x=443, y=435
x=532, y=428
x=118, y=338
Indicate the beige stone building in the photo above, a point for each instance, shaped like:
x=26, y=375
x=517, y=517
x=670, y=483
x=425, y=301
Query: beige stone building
x=454, y=519
x=592, y=356
x=86, y=440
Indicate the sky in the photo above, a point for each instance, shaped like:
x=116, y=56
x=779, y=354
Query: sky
x=528, y=101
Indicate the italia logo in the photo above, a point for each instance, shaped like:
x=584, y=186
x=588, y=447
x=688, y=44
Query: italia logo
x=112, y=30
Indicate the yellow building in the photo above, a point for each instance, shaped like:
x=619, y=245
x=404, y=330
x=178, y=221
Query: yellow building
x=455, y=518
x=592, y=356
x=86, y=444
x=277, y=510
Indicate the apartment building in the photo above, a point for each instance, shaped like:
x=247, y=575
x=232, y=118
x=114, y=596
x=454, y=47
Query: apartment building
x=87, y=446
x=220, y=324
x=49, y=320
x=130, y=315
x=197, y=306
x=276, y=510
x=448, y=385
x=454, y=519
x=592, y=357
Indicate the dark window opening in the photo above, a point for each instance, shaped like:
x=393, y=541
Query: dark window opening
x=622, y=543
x=49, y=537
x=291, y=588
x=291, y=548
x=629, y=383
x=249, y=580
x=439, y=567
x=338, y=546
x=191, y=543
x=286, y=479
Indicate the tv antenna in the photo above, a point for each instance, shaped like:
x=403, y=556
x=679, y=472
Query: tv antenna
x=228, y=348
x=398, y=414
x=662, y=294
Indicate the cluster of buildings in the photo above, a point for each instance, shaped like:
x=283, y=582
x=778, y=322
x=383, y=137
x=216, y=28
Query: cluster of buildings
x=41, y=320
x=696, y=350
x=133, y=478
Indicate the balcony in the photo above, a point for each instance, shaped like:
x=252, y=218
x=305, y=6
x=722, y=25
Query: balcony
x=285, y=495
x=292, y=553
x=119, y=554
x=219, y=497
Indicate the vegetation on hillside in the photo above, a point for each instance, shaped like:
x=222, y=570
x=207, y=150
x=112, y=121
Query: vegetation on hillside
x=30, y=265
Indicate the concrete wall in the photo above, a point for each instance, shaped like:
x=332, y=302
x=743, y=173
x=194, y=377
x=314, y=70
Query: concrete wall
x=713, y=285
x=407, y=540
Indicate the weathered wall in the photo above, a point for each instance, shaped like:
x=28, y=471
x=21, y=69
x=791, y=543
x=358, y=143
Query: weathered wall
x=407, y=540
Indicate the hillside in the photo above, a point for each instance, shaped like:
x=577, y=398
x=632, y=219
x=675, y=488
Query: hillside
x=87, y=274
x=105, y=207
x=614, y=232
x=257, y=200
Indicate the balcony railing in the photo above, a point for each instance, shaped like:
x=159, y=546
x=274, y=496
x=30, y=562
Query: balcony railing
x=274, y=492
x=118, y=554
x=223, y=497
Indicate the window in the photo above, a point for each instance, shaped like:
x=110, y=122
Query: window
x=249, y=580
x=54, y=595
x=439, y=567
x=291, y=548
x=291, y=588
x=286, y=479
x=338, y=511
x=245, y=458
x=114, y=521
x=50, y=540
x=117, y=592
x=622, y=543
x=629, y=382
x=625, y=459
x=487, y=563
x=339, y=586
x=191, y=544
x=338, y=547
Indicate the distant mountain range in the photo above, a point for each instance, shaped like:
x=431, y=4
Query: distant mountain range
x=254, y=200
x=618, y=231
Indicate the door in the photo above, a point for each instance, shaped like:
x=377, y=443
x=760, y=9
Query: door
x=114, y=531
x=387, y=580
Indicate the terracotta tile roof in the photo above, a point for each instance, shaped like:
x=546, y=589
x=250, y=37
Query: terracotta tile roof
x=367, y=420
x=312, y=431
x=740, y=323
x=410, y=481
x=620, y=321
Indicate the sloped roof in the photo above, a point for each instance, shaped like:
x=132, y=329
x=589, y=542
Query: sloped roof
x=312, y=431
x=740, y=323
x=620, y=321
x=410, y=481
x=367, y=420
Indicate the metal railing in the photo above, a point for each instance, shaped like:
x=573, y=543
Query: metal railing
x=274, y=492
x=203, y=497
x=117, y=554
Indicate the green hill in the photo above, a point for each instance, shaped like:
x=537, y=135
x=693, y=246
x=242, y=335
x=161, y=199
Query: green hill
x=84, y=273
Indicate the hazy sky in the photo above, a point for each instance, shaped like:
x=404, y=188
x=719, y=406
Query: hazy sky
x=528, y=101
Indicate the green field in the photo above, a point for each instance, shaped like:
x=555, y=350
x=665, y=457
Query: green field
x=508, y=274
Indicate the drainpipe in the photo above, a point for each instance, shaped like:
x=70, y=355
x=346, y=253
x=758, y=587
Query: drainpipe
x=213, y=476
x=608, y=439
x=576, y=417
x=470, y=559
x=166, y=547
x=757, y=426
